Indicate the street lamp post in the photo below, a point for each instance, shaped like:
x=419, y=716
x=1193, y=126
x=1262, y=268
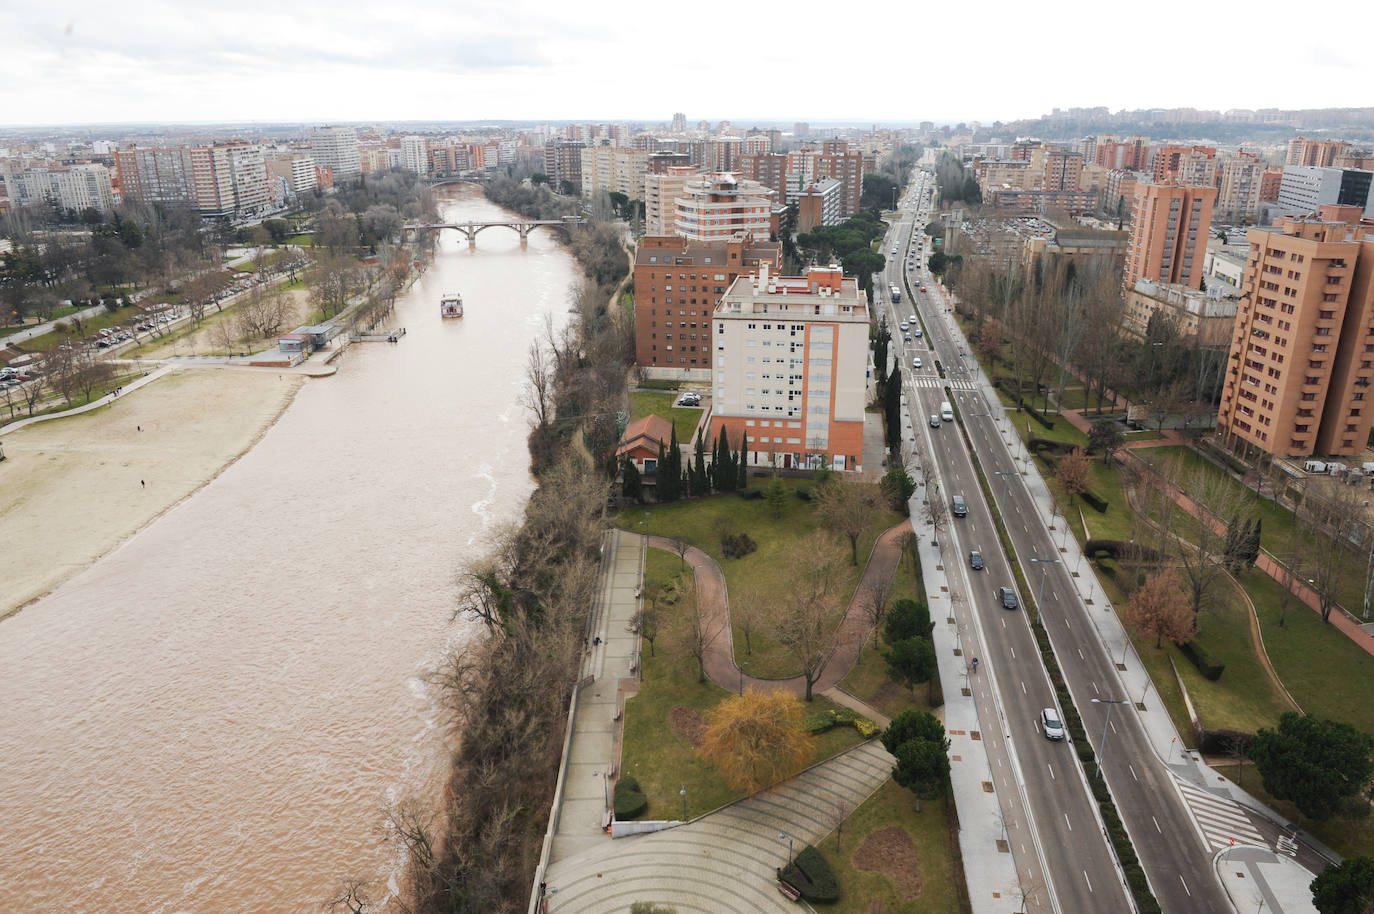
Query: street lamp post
x=683, y=792
x=1154, y=350
x=781, y=835
x=741, y=676
x=1044, y=571
x=1102, y=745
x=605, y=791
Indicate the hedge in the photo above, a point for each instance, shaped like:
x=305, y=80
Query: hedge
x=737, y=545
x=803, y=493
x=1198, y=657
x=810, y=874
x=630, y=801
x=1054, y=447
x=1122, y=550
x=1224, y=742
x=1035, y=414
x=751, y=493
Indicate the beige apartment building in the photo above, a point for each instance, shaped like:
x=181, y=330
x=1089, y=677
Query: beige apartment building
x=1204, y=318
x=1239, y=196
x=614, y=169
x=1302, y=351
x=790, y=368
x=1169, y=228
x=661, y=192
x=714, y=207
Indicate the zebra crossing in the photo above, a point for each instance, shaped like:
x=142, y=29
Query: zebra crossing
x=932, y=381
x=1222, y=821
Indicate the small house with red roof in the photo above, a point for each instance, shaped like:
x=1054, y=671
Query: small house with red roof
x=642, y=441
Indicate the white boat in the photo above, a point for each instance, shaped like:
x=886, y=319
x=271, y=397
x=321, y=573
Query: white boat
x=451, y=305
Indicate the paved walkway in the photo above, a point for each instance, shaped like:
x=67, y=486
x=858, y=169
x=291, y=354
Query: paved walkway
x=727, y=859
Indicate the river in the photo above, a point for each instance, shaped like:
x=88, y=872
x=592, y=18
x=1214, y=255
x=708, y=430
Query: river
x=211, y=717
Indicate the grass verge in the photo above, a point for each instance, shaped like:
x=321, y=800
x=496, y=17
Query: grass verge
x=684, y=418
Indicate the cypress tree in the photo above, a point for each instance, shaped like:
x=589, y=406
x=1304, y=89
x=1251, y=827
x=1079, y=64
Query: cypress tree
x=1231, y=551
x=742, y=481
x=1252, y=550
x=672, y=473
x=700, y=484
x=664, y=489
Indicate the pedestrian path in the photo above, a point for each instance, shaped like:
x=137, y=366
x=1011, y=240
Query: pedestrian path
x=725, y=860
x=922, y=380
x=1222, y=821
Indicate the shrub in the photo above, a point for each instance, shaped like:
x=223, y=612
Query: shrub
x=810, y=874
x=737, y=545
x=751, y=493
x=867, y=728
x=1054, y=447
x=1198, y=657
x=819, y=722
x=1119, y=549
x=804, y=493
x=630, y=801
x=1097, y=504
x=1039, y=417
x=1224, y=742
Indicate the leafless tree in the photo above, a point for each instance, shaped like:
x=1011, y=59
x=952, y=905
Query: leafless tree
x=806, y=616
x=746, y=614
x=1332, y=521
x=937, y=515
x=1200, y=545
x=223, y=336
x=847, y=508
x=1292, y=560
x=262, y=313
x=352, y=896
x=335, y=279
x=838, y=813
x=59, y=363
x=875, y=600
x=88, y=372
x=645, y=621
x=700, y=631
x=680, y=545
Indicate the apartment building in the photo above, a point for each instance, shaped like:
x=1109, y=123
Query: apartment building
x=1118, y=192
x=1239, y=196
x=1306, y=188
x=661, y=193
x=1169, y=227
x=677, y=285
x=768, y=169
x=1204, y=318
x=790, y=367
x=1164, y=161
x=298, y=170
x=818, y=204
x=76, y=188
x=1130, y=154
x=218, y=181
x=336, y=148
x=614, y=169
x=415, y=154
x=714, y=207
x=1270, y=182
x=1321, y=153
x=563, y=162
x=1302, y=350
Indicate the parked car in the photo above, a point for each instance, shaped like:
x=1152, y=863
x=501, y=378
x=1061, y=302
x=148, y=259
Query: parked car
x=689, y=399
x=1050, y=723
x=1008, y=598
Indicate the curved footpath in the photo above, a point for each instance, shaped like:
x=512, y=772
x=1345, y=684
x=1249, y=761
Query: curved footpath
x=713, y=601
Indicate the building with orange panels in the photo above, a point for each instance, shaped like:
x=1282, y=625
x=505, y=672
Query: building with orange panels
x=677, y=285
x=1302, y=151
x=1269, y=184
x=790, y=368
x=1169, y=225
x=1302, y=352
x=1164, y=163
x=1131, y=154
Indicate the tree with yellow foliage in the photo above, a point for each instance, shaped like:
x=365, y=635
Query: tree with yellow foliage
x=756, y=739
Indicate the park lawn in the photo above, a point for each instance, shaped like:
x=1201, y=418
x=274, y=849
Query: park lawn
x=1336, y=684
x=1243, y=698
x=939, y=879
x=661, y=758
x=684, y=418
x=868, y=680
x=767, y=571
x=301, y=241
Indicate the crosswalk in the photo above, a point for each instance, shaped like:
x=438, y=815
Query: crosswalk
x=931, y=381
x=1221, y=821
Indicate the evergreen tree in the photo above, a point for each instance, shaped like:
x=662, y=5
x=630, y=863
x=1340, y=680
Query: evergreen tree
x=1231, y=552
x=892, y=409
x=701, y=485
x=1252, y=547
x=632, y=485
x=664, y=479
x=670, y=473
x=742, y=480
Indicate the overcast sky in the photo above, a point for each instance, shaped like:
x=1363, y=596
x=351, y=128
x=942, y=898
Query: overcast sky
x=83, y=61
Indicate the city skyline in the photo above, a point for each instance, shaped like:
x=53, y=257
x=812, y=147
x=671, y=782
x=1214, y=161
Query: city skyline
x=315, y=62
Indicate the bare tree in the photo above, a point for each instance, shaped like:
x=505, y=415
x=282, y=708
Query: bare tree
x=700, y=631
x=1332, y=521
x=59, y=363
x=88, y=373
x=1200, y=545
x=335, y=279
x=875, y=599
x=223, y=336
x=838, y=813
x=847, y=508
x=644, y=622
x=937, y=515
x=262, y=313
x=353, y=896
x=745, y=614
x=1291, y=562
x=806, y=617
x=680, y=545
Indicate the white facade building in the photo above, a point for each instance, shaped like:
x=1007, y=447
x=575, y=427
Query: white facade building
x=336, y=148
x=415, y=154
x=76, y=188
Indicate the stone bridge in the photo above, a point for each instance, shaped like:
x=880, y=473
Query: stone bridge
x=470, y=229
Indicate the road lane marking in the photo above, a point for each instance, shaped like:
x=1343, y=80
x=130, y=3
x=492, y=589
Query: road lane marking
x=1185, y=886
x=1093, y=683
x=1067, y=822
x=1052, y=777
x=1157, y=828
x=1023, y=687
x=1133, y=774
x=1087, y=880
x=1080, y=655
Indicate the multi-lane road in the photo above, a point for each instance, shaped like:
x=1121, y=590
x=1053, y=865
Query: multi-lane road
x=1069, y=857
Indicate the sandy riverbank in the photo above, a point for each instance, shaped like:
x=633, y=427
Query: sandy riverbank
x=73, y=489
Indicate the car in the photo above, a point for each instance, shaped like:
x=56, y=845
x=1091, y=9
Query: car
x=919, y=333
x=958, y=506
x=1050, y=723
x=689, y=399
x=906, y=338
x=934, y=420
x=923, y=288
x=904, y=326
x=916, y=362
x=975, y=560
x=1008, y=598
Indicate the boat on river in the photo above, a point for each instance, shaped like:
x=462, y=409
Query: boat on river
x=451, y=305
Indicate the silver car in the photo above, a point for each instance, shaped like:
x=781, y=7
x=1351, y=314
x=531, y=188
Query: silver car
x=1051, y=724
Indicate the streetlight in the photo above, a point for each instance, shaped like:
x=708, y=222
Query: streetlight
x=741, y=676
x=1044, y=570
x=683, y=792
x=781, y=835
x=1103, y=744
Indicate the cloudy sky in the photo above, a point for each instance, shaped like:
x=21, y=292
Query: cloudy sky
x=83, y=61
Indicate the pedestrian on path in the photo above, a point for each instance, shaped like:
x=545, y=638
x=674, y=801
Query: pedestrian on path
x=142, y=484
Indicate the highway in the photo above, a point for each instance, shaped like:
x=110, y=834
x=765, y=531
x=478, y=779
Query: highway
x=1011, y=685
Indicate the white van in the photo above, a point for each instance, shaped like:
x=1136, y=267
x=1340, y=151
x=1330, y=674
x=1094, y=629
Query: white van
x=946, y=411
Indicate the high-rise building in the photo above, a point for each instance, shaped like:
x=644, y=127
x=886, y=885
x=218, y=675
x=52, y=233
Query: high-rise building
x=714, y=207
x=298, y=170
x=679, y=122
x=614, y=169
x=76, y=188
x=415, y=154
x=1270, y=182
x=789, y=368
x=677, y=285
x=661, y=193
x=228, y=179
x=1321, y=153
x=1130, y=154
x=563, y=162
x=1169, y=226
x=1164, y=162
x=1239, y=197
x=1300, y=367
x=768, y=169
x=818, y=204
x=336, y=148
x=1305, y=188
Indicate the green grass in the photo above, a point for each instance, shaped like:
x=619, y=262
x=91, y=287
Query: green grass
x=868, y=681
x=658, y=756
x=942, y=887
x=301, y=241
x=684, y=418
x=765, y=572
